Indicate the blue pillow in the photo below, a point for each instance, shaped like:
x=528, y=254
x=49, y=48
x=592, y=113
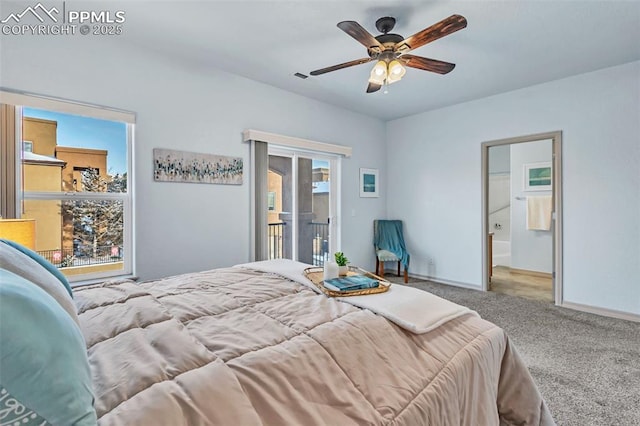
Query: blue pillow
x=42, y=261
x=43, y=356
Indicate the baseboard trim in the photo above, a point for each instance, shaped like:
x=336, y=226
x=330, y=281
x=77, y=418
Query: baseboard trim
x=446, y=282
x=602, y=311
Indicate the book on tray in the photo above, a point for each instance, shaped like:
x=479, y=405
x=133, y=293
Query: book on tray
x=350, y=283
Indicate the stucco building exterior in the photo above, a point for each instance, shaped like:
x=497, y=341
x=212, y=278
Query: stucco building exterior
x=49, y=167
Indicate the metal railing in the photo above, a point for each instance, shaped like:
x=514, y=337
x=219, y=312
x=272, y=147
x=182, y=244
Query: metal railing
x=320, y=242
x=277, y=240
x=64, y=258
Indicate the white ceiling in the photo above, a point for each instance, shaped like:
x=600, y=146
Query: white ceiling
x=507, y=45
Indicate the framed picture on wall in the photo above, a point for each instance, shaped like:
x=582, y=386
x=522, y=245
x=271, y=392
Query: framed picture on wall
x=192, y=167
x=538, y=176
x=369, y=183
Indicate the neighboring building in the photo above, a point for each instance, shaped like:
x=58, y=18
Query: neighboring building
x=320, y=194
x=313, y=200
x=39, y=136
x=50, y=167
x=274, y=197
x=321, y=188
x=320, y=174
x=43, y=173
x=78, y=160
x=321, y=201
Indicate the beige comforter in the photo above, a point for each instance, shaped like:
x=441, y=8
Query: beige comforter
x=240, y=347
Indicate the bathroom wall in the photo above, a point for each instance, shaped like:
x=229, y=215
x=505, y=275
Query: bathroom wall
x=530, y=250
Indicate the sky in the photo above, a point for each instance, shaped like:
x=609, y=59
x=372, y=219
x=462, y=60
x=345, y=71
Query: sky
x=85, y=132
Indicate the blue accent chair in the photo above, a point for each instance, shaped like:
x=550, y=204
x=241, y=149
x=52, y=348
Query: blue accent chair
x=388, y=242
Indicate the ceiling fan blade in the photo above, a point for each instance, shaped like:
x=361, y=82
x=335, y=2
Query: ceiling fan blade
x=427, y=64
x=340, y=66
x=445, y=27
x=356, y=31
x=373, y=87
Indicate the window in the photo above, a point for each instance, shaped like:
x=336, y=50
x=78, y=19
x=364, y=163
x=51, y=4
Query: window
x=271, y=200
x=74, y=181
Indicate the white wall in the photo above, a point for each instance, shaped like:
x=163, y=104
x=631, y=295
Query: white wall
x=431, y=177
x=434, y=170
x=530, y=250
x=190, y=227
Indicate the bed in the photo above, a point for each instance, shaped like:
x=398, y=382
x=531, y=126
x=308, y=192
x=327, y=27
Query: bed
x=254, y=344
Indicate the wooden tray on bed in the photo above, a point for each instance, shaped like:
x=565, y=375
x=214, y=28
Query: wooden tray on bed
x=315, y=274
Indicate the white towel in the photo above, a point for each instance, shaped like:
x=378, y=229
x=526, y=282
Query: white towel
x=539, y=213
x=414, y=310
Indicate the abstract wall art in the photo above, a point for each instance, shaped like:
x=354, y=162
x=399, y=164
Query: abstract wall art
x=192, y=167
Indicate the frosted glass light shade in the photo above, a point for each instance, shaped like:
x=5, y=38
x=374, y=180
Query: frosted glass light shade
x=396, y=71
x=378, y=73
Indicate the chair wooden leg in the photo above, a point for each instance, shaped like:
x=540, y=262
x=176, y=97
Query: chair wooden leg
x=381, y=274
x=406, y=276
x=398, y=268
x=377, y=266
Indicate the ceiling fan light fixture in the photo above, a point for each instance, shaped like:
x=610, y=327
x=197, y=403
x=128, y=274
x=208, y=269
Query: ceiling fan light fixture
x=396, y=71
x=390, y=51
x=380, y=68
x=378, y=73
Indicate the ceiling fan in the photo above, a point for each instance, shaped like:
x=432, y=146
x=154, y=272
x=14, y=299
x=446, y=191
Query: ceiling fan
x=390, y=50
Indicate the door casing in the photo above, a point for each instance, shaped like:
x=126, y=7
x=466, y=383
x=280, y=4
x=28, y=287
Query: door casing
x=556, y=139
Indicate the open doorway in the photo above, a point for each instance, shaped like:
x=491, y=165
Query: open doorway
x=522, y=238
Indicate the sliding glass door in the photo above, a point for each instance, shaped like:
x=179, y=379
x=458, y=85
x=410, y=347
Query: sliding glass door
x=301, y=201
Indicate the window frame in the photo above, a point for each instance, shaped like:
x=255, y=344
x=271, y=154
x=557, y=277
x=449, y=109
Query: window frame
x=20, y=100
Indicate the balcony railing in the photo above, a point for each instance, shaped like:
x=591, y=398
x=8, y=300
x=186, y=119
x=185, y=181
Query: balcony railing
x=320, y=242
x=277, y=240
x=63, y=258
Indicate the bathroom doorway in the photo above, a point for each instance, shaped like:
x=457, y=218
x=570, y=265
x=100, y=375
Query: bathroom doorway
x=522, y=238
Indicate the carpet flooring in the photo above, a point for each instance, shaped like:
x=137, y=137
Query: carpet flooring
x=586, y=366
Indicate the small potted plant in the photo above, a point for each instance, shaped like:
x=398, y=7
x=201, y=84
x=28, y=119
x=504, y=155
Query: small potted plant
x=342, y=262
